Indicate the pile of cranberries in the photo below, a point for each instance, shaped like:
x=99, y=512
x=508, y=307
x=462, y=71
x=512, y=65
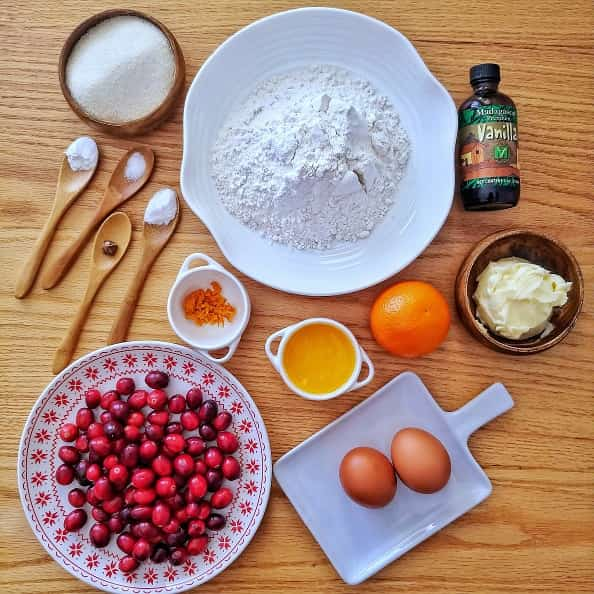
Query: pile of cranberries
x=145, y=466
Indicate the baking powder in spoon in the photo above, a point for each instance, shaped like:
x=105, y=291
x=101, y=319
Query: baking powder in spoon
x=162, y=207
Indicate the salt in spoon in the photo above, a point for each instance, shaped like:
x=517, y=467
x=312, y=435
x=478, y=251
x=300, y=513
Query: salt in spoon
x=155, y=237
x=119, y=189
x=69, y=187
x=117, y=229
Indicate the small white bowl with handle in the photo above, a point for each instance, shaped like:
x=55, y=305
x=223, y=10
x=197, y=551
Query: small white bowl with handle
x=353, y=383
x=198, y=272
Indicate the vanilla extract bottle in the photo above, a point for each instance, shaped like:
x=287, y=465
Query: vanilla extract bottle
x=488, y=144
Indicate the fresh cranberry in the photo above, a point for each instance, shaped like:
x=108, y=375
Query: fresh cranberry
x=125, y=513
x=204, y=511
x=197, y=545
x=99, y=535
x=222, y=421
x=94, y=472
x=162, y=465
x=214, y=478
x=156, y=379
x=195, y=446
x=110, y=461
x=192, y=510
x=161, y=514
x=171, y=527
x=132, y=433
x=148, y=450
x=116, y=524
x=126, y=542
x=194, y=398
x=95, y=430
x=141, y=513
x=64, y=474
x=75, y=520
x=138, y=400
x=157, y=399
x=174, y=427
x=77, y=498
x=208, y=410
x=100, y=445
x=120, y=410
x=142, y=549
x=227, y=442
x=200, y=466
x=108, y=398
x=143, y=478
x=99, y=514
x=230, y=468
x=178, y=556
x=106, y=417
x=92, y=398
x=68, y=432
x=127, y=564
x=176, y=538
x=125, y=386
x=165, y=487
x=160, y=553
x=221, y=498
x=68, y=454
x=154, y=432
x=174, y=442
x=177, y=404
x=175, y=502
x=129, y=456
x=113, y=430
x=158, y=417
x=184, y=464
x=207, y=432
x=189, y=420
x=145, y=496
x=215, y=522
x=91, y=497
x=196, y=528
x=82, y=444
x=118, y=475
x=136, y=419
x=80, y=471
x=197, y=486
x=213, y=457
x=113, y=505
x=84, y=417
x=103, y=488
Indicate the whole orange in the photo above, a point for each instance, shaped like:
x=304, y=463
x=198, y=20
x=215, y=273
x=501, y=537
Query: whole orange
x=410, y=319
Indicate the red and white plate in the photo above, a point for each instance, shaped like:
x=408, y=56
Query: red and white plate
x=45, y=502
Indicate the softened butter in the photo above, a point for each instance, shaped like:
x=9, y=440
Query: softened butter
x=515, y=298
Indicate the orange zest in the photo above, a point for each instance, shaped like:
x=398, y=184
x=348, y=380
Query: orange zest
x=208, y=306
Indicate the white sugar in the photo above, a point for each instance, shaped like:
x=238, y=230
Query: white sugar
x=135, y=167
x=162, y=207
x=121, y=69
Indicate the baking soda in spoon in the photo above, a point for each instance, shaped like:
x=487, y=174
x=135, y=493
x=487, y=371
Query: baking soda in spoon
x=82, y=154
x=162, y=207
x=135, y=167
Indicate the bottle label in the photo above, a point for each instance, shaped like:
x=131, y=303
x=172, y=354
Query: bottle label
x=488, y=146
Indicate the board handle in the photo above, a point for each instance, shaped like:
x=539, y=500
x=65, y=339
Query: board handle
x=482, y=409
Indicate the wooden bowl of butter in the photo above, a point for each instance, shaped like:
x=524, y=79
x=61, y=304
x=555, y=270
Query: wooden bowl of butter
x=519, y=292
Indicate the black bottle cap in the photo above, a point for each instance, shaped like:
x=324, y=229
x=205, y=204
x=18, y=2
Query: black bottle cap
x=484, y=72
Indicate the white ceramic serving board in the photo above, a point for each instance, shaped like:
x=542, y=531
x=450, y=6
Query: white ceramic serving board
x=360, y=541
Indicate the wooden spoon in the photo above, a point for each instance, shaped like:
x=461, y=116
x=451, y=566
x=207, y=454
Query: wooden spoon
x=116, y=228
x=119, y=189
x=155, y=237
x=70, y=185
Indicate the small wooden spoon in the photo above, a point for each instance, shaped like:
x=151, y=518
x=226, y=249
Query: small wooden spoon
x=116, y=228
x=155, y=237
x=119, y=189
x=70, y=186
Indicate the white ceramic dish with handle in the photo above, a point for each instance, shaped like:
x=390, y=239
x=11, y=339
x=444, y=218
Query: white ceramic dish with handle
x=198, y=271
x=353, y=383
x=371, y=50
x=360, y=541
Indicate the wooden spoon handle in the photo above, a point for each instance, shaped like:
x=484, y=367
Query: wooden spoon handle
x=67, y=347
x=58, y=268
x=121, y=324
x=31, y=267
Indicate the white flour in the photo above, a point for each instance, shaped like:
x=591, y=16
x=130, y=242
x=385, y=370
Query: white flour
x=311, y=157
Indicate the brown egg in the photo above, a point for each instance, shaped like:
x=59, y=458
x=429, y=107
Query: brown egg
x=368, y=477
x=420, y=460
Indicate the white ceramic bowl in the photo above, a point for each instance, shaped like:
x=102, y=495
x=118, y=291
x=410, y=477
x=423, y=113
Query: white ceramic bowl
x=372, y=50
x=361, y=358
x=197, y=272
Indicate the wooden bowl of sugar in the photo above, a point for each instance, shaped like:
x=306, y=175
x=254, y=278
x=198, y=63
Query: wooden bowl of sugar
x=121, y=72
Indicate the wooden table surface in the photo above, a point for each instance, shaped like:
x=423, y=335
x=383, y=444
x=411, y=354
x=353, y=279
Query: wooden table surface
x=536, y=532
